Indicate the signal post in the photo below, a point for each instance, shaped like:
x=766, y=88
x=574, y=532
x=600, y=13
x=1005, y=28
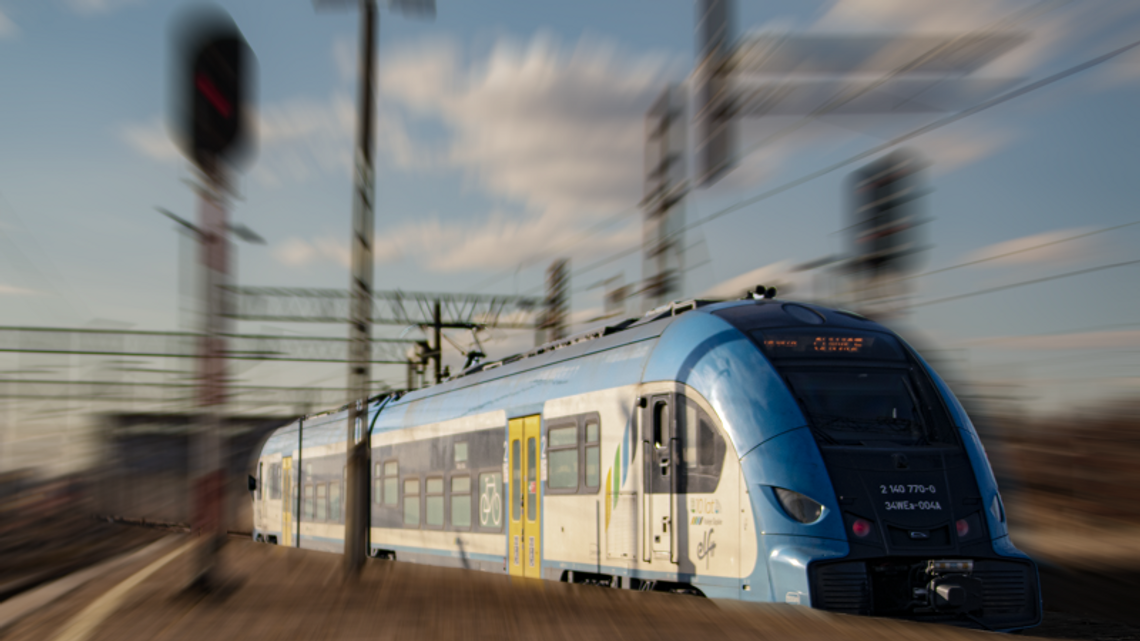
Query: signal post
x=210, y=95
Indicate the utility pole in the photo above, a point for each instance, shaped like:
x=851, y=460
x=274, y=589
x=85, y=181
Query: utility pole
x=666, y=186
x=438, y=344
x=357, y=446
x=360, y=314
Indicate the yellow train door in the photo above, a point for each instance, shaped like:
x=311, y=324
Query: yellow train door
x=287, y=501
x=525, y=543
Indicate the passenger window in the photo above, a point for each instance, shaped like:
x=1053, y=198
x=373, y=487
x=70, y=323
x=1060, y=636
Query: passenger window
x=660, y=423
x=702, y=448
x=461, y=502
x=461, y=455
x=378, y=484
x=308, y=504
x=391, y=484
x=593, y=454
x=322, y=503
x=434, y=502
x=562, y=444
x=689, y=446
x=531, y=480
x=274, y=481
x=707, y=446
x=412, y=502
x=516, y=481
x=334, y=501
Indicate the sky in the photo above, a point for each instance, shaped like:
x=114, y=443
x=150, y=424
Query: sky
x=511, y=133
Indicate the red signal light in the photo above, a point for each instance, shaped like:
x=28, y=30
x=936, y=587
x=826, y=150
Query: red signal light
x=861, y=528
x=206, y=87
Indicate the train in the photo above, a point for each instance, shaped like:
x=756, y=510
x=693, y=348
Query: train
x=760, y=450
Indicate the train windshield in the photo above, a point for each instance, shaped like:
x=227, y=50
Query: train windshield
x=858, y=388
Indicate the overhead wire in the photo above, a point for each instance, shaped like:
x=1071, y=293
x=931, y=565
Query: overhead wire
x=942, y=49
x=990, y=290
x=1021, y=251
x=850, y=160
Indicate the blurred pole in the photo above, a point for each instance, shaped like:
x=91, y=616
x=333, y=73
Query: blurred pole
x=207, y=457
x=437, y=327
x=360, y=311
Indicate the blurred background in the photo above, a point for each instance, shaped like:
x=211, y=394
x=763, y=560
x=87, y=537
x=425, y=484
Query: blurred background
x=965, y=172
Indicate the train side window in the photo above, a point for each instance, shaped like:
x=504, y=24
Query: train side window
x=689, y=444
x=308, y=504
x=274, y=481
x=562, y=457
x=707, y=444
x=531, y=479
x=593, y=453
x=391, y=484
x=322, y=503
x=516, y=481
x=334, y=501
x=412, y=502
x=434, y=501
x=378, y=483
x=660, y=423
x=461, y=502
x=702, y=451
x=460, y=456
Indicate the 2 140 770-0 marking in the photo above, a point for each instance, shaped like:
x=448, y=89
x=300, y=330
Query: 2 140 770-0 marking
x=908, y=489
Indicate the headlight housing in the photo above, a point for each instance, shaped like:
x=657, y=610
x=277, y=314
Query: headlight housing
x=799, y=507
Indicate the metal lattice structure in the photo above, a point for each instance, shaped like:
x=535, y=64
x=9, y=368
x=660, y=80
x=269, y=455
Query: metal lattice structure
x=292, y=305
x=142, y=344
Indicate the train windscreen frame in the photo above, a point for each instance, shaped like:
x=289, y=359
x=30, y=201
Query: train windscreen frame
x=858, y=388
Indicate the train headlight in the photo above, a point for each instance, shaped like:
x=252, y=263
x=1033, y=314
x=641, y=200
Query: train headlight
x=798, y=506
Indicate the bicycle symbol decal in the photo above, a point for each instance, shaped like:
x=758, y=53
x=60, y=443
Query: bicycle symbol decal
x=490, y=503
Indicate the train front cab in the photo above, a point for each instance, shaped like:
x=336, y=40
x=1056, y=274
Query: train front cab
x=869, y=484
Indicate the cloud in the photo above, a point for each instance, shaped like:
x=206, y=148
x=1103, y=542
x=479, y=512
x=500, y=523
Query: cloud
x=497, y=242
x=151, y=140
x=1055, y=252
x=1081, y=340
x=297, y=252
x=99, y=6
x=965, y=144
x=905, y=15
x=8, y=29
x=9, y=290
x=555, y=130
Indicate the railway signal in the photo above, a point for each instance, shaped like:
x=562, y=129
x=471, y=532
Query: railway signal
x=212, y=90
x=884, y=211
x=211, y=84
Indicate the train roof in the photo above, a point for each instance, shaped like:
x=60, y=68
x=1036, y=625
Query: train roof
x=745, y=315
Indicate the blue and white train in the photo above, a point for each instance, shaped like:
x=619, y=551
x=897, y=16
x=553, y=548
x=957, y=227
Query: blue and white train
x=760, y=450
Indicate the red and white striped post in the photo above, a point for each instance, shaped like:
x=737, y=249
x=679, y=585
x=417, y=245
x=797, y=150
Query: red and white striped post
x=208, y=446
